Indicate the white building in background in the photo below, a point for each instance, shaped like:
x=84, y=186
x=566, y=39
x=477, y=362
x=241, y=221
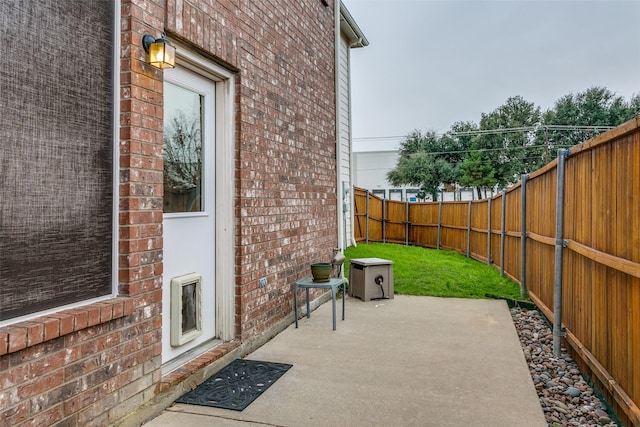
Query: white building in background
x=370, y=173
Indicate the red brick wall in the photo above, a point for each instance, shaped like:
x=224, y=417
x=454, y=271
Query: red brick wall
x=76, y=367
x=286, y=159
x=96, y=364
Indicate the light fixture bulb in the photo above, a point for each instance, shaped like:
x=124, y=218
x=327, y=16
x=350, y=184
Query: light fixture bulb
x=162, y=54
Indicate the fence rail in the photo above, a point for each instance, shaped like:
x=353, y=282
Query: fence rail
x=569, y=233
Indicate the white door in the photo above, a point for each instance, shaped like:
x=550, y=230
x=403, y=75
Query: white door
x=189, y=213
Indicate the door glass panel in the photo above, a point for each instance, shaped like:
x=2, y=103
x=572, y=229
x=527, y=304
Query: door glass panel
x=182, y=150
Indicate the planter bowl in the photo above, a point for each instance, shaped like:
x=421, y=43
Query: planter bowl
x=321, y=271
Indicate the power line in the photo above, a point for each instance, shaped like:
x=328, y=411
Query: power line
x=378, y=138
x=532, y=128
x=572, y=127
x=482, y=150
x=496, y=131
x=478, y=151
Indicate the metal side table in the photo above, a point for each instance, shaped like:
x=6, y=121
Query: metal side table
x=308, y=283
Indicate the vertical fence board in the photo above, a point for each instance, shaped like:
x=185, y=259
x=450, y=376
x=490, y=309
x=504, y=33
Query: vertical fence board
x=622, y=200
x=359, y=213
x=376, y=207
x=396, y=221
x=541, y=194
x=496, y=229
x=634, y=241
x=479, y=218
x=454, y=226
x=578, y=227
x=512, y=237
x=634, y=314
x=602, y=319
x=424, y=224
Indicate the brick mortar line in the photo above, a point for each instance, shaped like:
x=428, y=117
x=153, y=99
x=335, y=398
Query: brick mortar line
x=22, y=335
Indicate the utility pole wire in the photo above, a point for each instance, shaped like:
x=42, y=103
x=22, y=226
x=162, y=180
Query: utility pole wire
x=481, y=150
x=530, y=128
x=496, y=131
x=459, y=163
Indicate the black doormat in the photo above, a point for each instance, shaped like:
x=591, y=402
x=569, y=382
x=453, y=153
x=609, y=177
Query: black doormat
x=236, y=385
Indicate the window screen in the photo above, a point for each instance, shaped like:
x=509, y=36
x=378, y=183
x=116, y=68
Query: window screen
x=56, y=131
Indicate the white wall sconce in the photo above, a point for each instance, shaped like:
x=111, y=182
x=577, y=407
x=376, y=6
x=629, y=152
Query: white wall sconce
x=162, y=54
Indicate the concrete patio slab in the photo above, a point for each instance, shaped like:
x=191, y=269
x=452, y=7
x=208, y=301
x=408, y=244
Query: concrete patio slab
x=409, y=361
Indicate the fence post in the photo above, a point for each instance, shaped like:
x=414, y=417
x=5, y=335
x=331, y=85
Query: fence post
x=557, y=279
x=503, y=222
x=489, y=231
x=384, y=220
x=366, y=221
x=439, y=223
x=523, y=235
x=406, y=217
x=469, y=231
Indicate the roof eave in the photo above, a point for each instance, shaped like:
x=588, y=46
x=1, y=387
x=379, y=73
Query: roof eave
x=348, y=26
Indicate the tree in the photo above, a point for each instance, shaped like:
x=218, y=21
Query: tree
x=514, y=139
x=634, y=105
x=509, y=143
x=456, y=144
x=596, y=106
x=426, y=162
x=477, y=173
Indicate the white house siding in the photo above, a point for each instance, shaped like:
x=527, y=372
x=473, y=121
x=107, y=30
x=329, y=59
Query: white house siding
x=351, y=37
x=344, y=96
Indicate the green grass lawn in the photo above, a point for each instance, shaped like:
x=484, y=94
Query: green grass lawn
x=421, y=271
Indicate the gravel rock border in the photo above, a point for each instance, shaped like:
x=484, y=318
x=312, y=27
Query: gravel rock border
x=565, y=397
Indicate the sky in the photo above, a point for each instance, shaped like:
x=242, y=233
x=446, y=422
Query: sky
x=432, y=63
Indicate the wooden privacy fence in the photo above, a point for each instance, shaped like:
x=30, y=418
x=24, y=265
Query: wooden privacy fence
x=569, y=234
